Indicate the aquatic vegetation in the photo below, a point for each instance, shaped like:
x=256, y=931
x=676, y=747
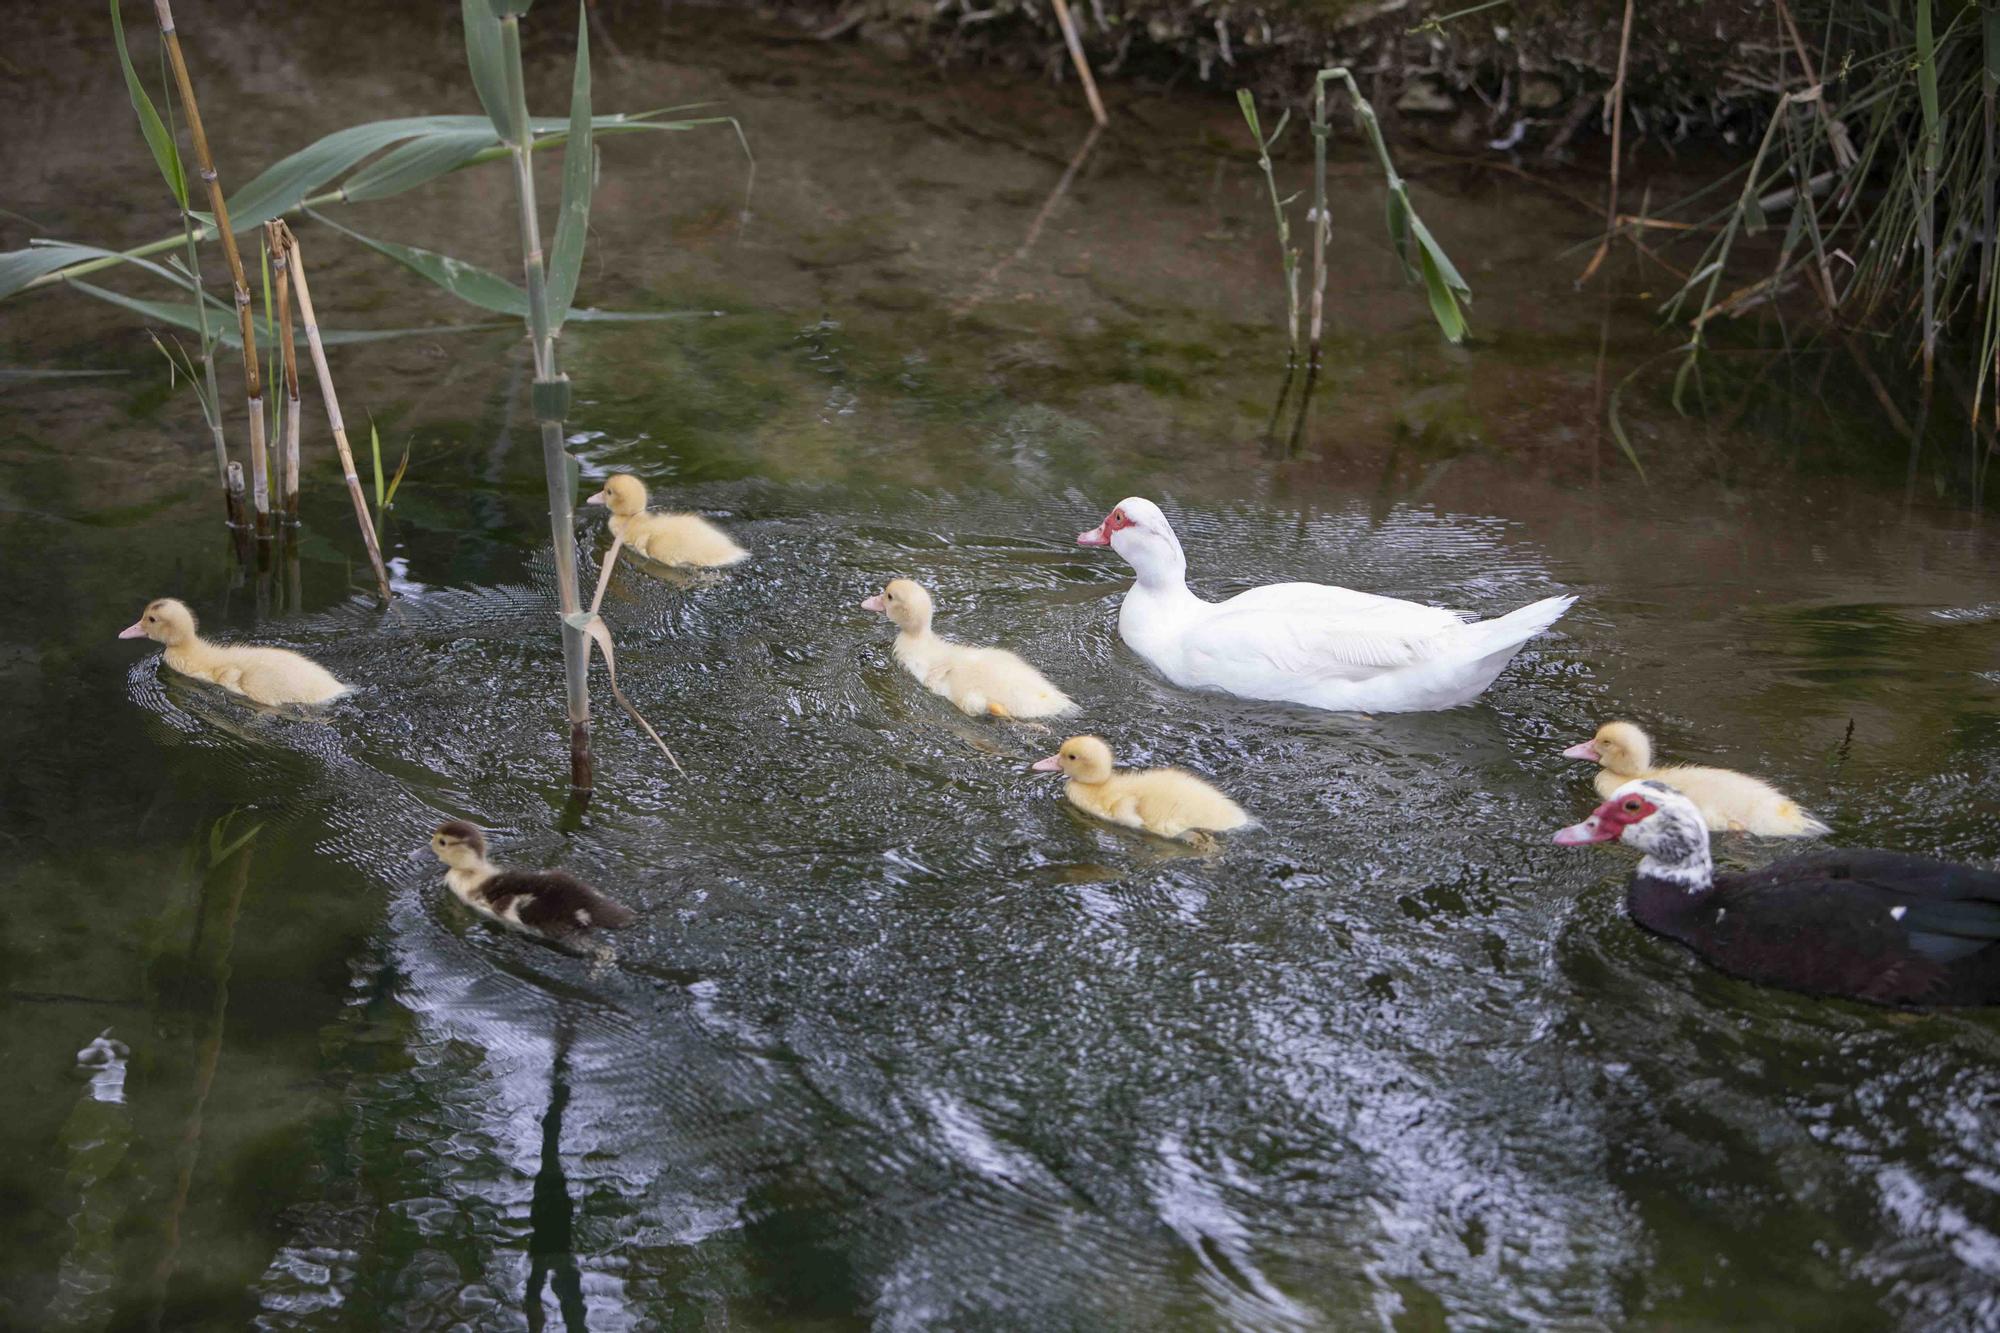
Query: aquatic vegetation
x=1874, y=180
x=1422, y=257
x=371, y=161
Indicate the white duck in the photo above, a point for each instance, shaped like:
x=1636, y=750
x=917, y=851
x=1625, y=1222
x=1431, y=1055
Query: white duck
x=1304, y=643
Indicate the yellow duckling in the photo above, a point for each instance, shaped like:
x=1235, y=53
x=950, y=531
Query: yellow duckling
x=671, y=539
x=1730, y=802
x=976, y=680
x=267, y=675
x=1165, y=801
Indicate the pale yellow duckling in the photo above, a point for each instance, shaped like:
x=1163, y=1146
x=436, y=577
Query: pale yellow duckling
x=1165, y=801
x=1730, y=802
x=976, y=680
x=671, y=539
x=267, y=675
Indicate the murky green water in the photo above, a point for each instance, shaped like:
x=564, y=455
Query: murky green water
x=901, y=1040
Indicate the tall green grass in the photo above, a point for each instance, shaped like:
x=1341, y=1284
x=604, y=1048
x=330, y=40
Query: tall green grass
x=1423, y=259
x=1870, y=197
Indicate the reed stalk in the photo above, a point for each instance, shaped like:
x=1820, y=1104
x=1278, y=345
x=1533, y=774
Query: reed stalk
x=205, y=161
x=281, y=264
x=317, y=348
x=1617, y=149
x=212, y=407
x=1287, y=256
x=1077, y=58
x=550, y=396
x=1322, y=225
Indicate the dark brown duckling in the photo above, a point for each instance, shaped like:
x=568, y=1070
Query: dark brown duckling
x=547, y=903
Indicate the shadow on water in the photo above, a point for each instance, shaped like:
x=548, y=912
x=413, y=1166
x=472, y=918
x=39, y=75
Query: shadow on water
x=551, y=1241
x=899, y=1038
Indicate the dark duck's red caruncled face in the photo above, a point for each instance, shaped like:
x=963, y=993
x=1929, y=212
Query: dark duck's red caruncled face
x=1609, y=821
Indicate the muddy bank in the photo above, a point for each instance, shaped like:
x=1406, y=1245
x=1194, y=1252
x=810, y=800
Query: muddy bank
x=1532, y=77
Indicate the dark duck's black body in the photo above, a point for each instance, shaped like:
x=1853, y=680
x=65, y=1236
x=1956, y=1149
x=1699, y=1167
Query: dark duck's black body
x=1868, y=925
x=548, y=903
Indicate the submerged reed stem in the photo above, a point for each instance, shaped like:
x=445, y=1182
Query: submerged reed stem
x=325, y=377
x=1081, y=61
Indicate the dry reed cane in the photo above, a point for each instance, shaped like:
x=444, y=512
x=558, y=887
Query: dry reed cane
x=252, y=385
x=325, y=376
x=288, y=484
x=1617, y=149
x=1082, y=63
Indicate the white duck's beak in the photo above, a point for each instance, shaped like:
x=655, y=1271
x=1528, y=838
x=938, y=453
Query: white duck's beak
x=135, y=630
x=1587, y=750
x=1097, y=536
x=875, y=603
x=1053, y=764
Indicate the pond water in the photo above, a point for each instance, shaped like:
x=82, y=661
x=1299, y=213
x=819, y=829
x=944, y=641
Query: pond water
x=900, y=1039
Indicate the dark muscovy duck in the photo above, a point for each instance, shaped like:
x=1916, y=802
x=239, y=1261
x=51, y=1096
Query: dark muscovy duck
x=547, y=903
x=1875, y=926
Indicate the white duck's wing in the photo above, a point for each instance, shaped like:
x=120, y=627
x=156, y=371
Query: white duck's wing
x=1313, y=631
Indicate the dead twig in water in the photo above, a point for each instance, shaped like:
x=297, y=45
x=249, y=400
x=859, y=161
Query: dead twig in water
x=592, y=626
x=983, y=289
x=325, y=377
x=1081, y=62
x=1617, y=148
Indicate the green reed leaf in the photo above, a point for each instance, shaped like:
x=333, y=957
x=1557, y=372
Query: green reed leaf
x=165, y=155
x=579, y=179
x=483, y=55
x=468, y=282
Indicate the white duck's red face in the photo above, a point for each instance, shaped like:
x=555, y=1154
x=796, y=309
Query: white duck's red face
x=1139, y=532
x=1114, y=523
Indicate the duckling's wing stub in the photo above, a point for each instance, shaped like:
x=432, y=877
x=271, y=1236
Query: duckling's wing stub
x=554, y=904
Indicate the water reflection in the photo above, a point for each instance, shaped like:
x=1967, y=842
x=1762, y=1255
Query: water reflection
x=551, y=1256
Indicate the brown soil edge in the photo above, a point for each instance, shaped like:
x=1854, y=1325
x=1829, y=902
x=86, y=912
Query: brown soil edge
x=1527, y=76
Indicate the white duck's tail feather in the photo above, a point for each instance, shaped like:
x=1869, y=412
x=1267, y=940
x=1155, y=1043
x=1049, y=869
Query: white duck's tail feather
x=1504, y=634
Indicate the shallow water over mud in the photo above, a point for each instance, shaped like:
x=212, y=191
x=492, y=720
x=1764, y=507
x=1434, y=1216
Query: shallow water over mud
x=901, y=1039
